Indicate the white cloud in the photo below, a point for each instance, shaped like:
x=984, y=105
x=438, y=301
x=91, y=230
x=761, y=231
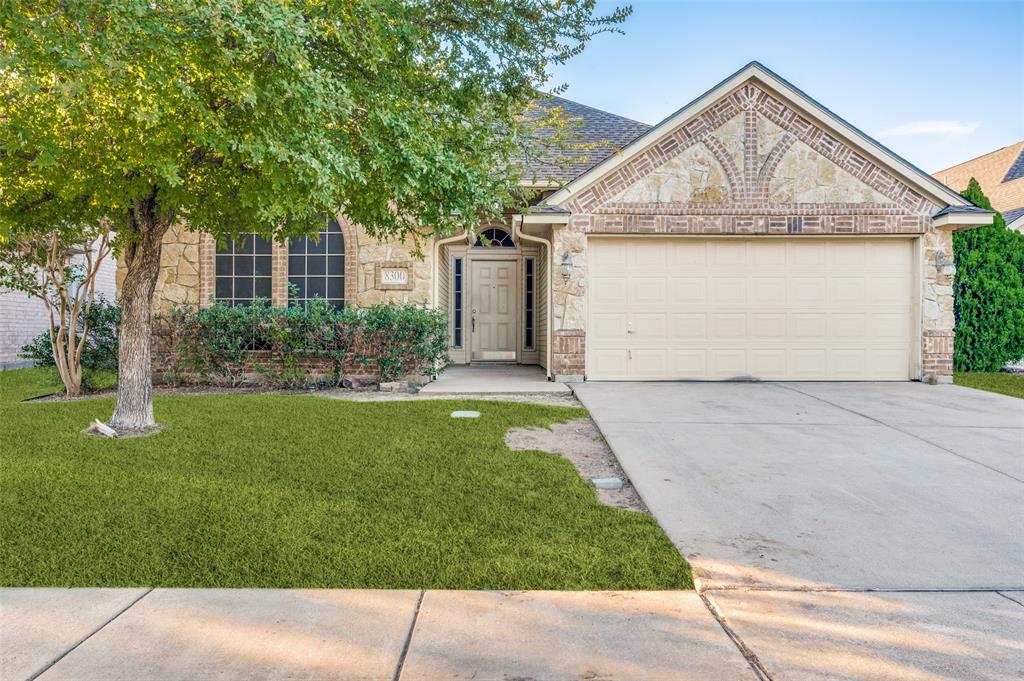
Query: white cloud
x=943, y=128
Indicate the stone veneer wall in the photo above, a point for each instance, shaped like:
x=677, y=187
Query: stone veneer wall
x=187, y=266
x=749, y=164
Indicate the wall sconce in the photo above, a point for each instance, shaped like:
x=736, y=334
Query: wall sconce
x=566, y=267
x=945, y=264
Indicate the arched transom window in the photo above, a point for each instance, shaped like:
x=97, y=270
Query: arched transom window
x=316, y=267
x=495, y=237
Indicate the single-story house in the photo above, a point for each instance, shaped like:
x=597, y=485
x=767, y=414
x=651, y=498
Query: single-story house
x=1001, y=176
x=751, y=234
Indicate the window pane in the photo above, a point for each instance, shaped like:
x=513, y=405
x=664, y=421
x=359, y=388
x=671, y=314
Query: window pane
x=263, y=266
x=335, y=244
x=316, y=264
x=263, y=288
x=300, y=284
x=223, y=288
x=243, y=288
x=319, y=248
x=297, y=245
x=336, y=264
x=335, y=287
x=316, y=287
x=244, y=245
x=296, y=264
x=243, y=267
x=263, y=246
x=223, y=268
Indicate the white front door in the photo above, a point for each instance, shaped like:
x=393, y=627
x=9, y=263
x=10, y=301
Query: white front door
x=766, y=308
x=493, y=310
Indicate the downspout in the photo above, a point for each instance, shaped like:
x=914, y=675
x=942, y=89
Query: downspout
x=517, y=222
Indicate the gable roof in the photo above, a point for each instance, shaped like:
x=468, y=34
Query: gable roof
x=916, y=177
x=596, y=135
x=1015, y=218
x=1000, y=174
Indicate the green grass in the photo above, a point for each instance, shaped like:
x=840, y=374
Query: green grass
x=1003, y=383
x=305, y=491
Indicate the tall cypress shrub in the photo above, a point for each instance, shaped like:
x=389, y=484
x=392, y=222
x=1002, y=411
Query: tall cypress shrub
x=988, y=292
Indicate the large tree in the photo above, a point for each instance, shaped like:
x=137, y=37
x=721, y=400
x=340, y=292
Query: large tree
x=260, y=115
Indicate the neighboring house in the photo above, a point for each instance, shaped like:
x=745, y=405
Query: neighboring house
x=1001, y=176
x=23, y=317
x=751, y=234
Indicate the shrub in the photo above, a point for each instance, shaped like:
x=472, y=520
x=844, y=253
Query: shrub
x=99, y=358
x=290, y=347
x=988, y=293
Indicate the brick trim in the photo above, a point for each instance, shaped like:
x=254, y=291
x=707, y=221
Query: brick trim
x=207, y=253
x=754, y=101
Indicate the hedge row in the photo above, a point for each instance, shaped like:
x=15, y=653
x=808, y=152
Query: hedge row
x=288, y=347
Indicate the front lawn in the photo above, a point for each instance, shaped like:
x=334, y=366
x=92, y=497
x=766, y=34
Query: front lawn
x=1003, y=383
x=306, y=491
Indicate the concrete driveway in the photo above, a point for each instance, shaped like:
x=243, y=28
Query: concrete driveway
x=880, y=525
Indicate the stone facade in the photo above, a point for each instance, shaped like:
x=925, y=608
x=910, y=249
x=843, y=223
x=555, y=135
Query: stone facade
x=188, y=259
x=751, y=164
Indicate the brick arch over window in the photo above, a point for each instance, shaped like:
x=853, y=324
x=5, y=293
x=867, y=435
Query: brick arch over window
x=350, y=233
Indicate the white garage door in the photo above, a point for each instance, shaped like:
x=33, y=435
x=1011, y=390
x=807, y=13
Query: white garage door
x=768, y=308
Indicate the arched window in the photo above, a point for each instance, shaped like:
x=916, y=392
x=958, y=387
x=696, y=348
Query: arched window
x=316, y=266
x=495, y=237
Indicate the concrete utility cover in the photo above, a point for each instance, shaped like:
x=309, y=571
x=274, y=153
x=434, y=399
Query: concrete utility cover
x=465, y=414
x=607, y=483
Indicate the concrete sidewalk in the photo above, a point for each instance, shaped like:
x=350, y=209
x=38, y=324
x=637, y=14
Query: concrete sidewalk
x=86, y=634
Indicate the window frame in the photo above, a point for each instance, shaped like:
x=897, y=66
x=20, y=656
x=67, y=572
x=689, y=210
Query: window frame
x=529, y=303
x=458, y=301
x=330, y=250
x=255, y=267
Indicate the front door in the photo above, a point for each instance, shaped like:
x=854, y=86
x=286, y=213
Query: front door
x=493, y=300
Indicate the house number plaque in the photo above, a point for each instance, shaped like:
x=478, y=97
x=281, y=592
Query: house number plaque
x=394, y=276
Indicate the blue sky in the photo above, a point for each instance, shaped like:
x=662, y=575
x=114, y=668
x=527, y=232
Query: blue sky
x=936, y=82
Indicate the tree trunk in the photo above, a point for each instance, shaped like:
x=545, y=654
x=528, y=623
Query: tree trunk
x=141, y=257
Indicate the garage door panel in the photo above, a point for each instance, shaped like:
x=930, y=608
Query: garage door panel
x=728, y=290
x=688, y=326
x=608, y=327
x=788, y=308
x=768, y=291
x=725, y=363
x=648, y=291
x=770, y=363
x=690, y=290
x=607, y=292
x=728, y=326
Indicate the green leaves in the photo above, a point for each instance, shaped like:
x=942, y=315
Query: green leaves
x=263, y=115
x=988, y=293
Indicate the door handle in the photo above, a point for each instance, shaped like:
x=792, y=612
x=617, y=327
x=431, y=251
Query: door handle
x=629, y=327
x=472, y=322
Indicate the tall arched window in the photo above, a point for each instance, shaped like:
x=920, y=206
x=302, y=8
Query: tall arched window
x=495, y=237
x=316, y=266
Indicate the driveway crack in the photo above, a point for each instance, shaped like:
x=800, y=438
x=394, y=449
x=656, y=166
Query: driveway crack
x=900, y=430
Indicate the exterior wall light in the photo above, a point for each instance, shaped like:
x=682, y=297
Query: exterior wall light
x=944, y=263
x=566, y=267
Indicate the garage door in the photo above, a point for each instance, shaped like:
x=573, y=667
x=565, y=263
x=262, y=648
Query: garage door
x=768, y=308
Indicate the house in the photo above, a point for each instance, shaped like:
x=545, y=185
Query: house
x=751, y=234
x=1001, y=176
x=23, y=317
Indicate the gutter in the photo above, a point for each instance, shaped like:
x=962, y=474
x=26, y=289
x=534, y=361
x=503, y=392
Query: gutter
x=517, y=223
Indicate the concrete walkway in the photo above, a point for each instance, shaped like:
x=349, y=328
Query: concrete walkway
x=839, y=530
x=494, y=379
x=172, y=634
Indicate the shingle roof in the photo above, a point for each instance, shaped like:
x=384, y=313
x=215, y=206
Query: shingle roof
x=952, y=210
x=1011, y=215
x=596, y=135
x=1016, y=170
